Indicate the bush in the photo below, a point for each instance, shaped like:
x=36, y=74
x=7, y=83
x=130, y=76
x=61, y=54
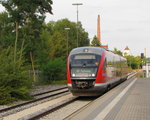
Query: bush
x=14, y=79
x=5, y=96
x=55, y=70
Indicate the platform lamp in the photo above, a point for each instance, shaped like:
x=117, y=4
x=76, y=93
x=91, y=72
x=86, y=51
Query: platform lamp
x=67, y=30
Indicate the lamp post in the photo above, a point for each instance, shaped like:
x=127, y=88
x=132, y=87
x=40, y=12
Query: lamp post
x=77, y=4
x=67, y=29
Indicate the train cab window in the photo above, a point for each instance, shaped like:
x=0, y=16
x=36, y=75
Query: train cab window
x=85, y=60
x=84, y=65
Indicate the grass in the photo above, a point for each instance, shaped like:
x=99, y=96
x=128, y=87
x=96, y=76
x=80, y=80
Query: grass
x=54, y=82
x=59, y=82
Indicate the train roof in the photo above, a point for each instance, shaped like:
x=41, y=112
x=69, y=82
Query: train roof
x=96, y=50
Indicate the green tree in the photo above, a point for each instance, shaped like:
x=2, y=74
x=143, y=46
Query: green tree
x=134, y=62
x=117, y=51
x=26, y=20
x=83, y=36
x=58, y=46
x=43, y=51
x=60, y=26
x=14, y=83
x=57, y=41
x=55, y=70
x=138, y=61
x=95, y=42
x=28, y=13
x=6, y=31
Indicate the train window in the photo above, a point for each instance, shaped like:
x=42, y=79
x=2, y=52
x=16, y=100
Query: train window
x=84, y=57
x=84, y=65
x=85, y=60
x=105, y=65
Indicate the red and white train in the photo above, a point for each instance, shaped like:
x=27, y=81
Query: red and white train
x=93, y=70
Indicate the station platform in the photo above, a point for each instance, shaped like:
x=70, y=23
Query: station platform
x=128, y=101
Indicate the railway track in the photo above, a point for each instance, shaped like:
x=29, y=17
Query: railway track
x=69, y=107
x=42, y=109
x=38, y=97
x=50, y=108
x=48, y=116
x=50, y=91
x=68, y=117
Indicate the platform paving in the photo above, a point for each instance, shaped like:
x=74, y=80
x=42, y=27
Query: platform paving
x=137, y=103
x=129, y=101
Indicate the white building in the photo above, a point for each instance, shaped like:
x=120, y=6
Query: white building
x=146, y=68
x=126, y=51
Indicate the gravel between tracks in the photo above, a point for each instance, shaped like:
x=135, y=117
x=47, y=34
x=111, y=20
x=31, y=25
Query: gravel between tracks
x=39, y=89
x=67, y=110
x=35, y=90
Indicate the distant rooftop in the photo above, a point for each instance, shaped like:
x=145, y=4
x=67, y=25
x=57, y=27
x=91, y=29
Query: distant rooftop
x=127, y=48
x=126, y=51
x=105, y=46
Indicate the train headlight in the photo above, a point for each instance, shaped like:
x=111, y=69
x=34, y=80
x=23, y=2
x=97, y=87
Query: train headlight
x=93, y=75
x=73, y=75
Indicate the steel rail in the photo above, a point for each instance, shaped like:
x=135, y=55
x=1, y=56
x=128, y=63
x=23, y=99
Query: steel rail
x=49, y=110
x=42, y=93
x=32, y=101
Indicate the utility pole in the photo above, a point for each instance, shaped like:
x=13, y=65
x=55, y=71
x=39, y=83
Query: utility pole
x=77, y=4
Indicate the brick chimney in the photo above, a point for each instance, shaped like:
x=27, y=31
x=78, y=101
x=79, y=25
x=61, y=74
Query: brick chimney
x=98, y=29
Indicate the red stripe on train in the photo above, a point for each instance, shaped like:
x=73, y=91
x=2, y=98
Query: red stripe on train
x=68, y=71
x=100, y=78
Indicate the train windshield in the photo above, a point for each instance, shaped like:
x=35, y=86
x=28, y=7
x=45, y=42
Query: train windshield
x=84, y=65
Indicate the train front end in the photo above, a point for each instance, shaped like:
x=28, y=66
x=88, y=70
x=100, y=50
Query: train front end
x=84, y=65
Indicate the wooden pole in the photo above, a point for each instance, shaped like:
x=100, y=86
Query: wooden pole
x=32, y=62
x=15, y=49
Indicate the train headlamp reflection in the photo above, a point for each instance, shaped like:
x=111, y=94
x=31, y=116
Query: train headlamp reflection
x=73, y=75
x=93, y=75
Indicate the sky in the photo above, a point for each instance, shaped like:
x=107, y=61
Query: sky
x=123, y=22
